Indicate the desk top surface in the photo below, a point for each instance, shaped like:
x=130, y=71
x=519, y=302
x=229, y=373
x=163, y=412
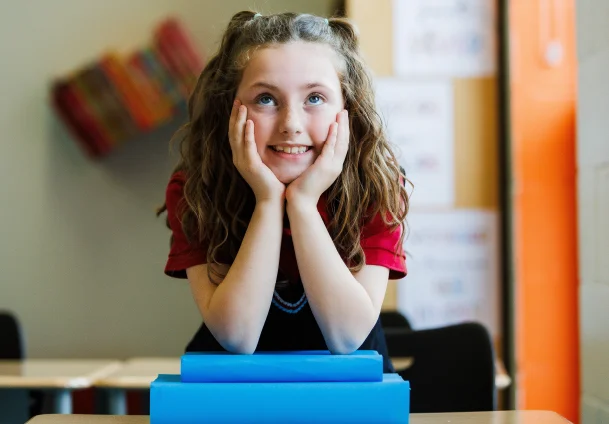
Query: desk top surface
x=500, y=417
x=138, y=373
x=54, y=373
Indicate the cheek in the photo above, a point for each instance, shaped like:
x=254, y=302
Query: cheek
x=263, y=128
x=320, y=127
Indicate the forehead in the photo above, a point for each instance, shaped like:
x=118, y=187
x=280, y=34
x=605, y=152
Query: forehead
x=292, y=63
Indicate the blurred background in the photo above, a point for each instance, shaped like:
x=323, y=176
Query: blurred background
x=496, y=110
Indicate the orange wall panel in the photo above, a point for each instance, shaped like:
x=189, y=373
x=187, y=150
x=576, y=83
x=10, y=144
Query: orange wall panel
x=543, y=104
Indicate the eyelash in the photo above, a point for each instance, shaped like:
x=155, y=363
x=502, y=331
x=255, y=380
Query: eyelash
x=322, y=98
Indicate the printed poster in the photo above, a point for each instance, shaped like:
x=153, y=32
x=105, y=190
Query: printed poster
x=453, y=272
x=419, y=117
x=451, y=38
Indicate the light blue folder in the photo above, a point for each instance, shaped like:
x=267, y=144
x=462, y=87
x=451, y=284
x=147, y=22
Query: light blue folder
x=175, y=402
x=301, y=366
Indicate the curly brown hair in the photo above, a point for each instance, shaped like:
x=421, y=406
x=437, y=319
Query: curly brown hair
x=219, y=203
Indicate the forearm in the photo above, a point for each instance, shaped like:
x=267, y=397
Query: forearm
x=342, y=307
x=239, y=306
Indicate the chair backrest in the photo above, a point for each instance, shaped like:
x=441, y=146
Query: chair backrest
x=452, y=370
x=394, y=319
x=11, y=341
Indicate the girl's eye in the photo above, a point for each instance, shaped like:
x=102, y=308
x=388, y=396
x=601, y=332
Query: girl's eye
x=315, y=99
x=266, y=100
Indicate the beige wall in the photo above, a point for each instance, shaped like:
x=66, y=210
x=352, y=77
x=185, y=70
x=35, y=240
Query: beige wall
x=593, y=188
x=81, y=251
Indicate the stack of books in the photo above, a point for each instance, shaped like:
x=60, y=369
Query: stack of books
x=116, y=98
x=281, y=387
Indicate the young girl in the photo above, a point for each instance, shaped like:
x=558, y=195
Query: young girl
x=287, y=206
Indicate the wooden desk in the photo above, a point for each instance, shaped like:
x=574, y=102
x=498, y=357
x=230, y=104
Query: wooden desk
x=502, y=378
x=502, y=417
x=59, y=375
x=134, y=374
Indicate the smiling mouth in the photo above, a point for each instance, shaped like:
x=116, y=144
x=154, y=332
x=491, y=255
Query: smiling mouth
x=295, y=150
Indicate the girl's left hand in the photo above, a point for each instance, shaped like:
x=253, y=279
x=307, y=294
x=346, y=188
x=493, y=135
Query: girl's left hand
x=326, y=168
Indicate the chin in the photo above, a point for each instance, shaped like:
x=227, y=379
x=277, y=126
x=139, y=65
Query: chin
x=287, y=178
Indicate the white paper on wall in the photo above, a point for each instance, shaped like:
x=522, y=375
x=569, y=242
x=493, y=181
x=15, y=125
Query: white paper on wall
x=419, y=120
x=453, y=273
x=455, y=38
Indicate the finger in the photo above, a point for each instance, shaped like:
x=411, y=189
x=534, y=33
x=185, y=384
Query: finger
x=330, y=144
x=239, y=127
x=249, y=139
x=234, y=111
x=233, y=117
x=343, y=134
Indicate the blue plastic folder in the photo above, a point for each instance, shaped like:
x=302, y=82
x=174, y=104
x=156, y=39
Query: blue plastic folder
x=263, y=367
x=175, y=402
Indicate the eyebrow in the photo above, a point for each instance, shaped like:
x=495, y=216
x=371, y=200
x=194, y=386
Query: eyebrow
x=307, y=86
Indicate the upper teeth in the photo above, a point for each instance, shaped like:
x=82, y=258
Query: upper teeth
x=292, y=150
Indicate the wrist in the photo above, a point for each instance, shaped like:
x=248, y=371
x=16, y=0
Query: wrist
x=304, y=205
x=270, y=204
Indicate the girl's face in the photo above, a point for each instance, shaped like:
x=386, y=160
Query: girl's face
x=292, y=93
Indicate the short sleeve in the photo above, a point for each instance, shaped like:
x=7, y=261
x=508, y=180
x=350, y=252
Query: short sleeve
x=182, y=254
x=382, y=247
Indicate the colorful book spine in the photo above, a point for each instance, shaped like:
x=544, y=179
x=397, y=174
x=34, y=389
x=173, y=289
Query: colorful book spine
x=165, y=102
x=179, y=53
x=94, y=110
x=130, y=95
x=88, y=87
x=115, y=108
x=175, y=402
x=150, y=92
x=150, y=58
x=76, y=118
x=309, y=366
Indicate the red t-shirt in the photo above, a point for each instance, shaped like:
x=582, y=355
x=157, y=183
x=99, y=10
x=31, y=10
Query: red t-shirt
x=378, y=242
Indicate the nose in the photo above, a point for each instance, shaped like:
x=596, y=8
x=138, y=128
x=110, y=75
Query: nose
x=291, y=121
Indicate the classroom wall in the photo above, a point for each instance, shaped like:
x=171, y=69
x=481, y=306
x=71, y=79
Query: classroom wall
x=593, y=190
x=81, y=251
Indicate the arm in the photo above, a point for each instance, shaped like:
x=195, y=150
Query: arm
x=235, y=310
x=345, y=305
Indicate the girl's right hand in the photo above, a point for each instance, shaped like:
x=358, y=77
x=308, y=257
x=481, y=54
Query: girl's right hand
x=261, y=179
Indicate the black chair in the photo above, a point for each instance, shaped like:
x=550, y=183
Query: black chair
x=10, y=334
x=394, y=319
x=12, y=348
x=452, y=369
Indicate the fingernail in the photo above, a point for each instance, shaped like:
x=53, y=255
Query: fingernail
x=236, y=102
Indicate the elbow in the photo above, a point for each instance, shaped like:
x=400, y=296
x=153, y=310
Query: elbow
x=237, y=341
x=234, y=335
x=345, y=341
x=345, y=346
x=342, y=350
x=239, y=347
